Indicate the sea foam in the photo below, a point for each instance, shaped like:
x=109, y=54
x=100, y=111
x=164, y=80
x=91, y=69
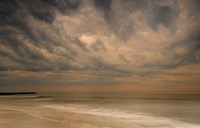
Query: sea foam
x=142, y=119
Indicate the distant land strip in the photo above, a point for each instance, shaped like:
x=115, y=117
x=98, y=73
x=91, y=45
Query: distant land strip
x=16, y=93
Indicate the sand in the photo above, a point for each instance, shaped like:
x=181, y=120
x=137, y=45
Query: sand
x=43, y=118
x=20, y=112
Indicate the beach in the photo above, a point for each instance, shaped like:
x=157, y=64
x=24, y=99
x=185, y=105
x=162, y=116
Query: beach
x=48, y=112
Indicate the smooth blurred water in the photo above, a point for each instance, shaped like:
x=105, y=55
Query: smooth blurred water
x=144, y=110
x=184, y=107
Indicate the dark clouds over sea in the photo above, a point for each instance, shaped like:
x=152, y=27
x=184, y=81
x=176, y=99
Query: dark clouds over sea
x=117, y=37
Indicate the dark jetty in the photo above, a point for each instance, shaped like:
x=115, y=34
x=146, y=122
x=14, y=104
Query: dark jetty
x=16, y=93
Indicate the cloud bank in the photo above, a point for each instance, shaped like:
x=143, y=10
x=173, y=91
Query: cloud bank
x=119, y=40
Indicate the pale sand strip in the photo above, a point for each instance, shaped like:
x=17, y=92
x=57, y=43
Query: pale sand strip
x=18, y=119
x=33, y=115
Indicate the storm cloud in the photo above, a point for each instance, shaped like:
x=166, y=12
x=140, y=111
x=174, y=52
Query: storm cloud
x=125, y=38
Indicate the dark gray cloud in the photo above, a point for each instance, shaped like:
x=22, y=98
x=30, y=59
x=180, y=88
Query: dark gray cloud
x=103, y=5
x=98, y=46
x=98, y=63
x=22, y=38
x=43, y=10
x=191, y=47
x=163, y=15
x=7, y=10
x=135, y=5
x=182, y=52
x=64, y=6
x=119, y=23
x=40, y=10
x=80, y=44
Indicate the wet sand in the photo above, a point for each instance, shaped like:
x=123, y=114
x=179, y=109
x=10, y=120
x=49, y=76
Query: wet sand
x=16, y=118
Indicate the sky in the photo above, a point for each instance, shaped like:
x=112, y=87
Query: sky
x=136, y=46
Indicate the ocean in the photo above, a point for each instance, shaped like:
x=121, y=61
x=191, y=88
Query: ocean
x=97, y=110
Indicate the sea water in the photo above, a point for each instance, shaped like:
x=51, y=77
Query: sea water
x=93, y=110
